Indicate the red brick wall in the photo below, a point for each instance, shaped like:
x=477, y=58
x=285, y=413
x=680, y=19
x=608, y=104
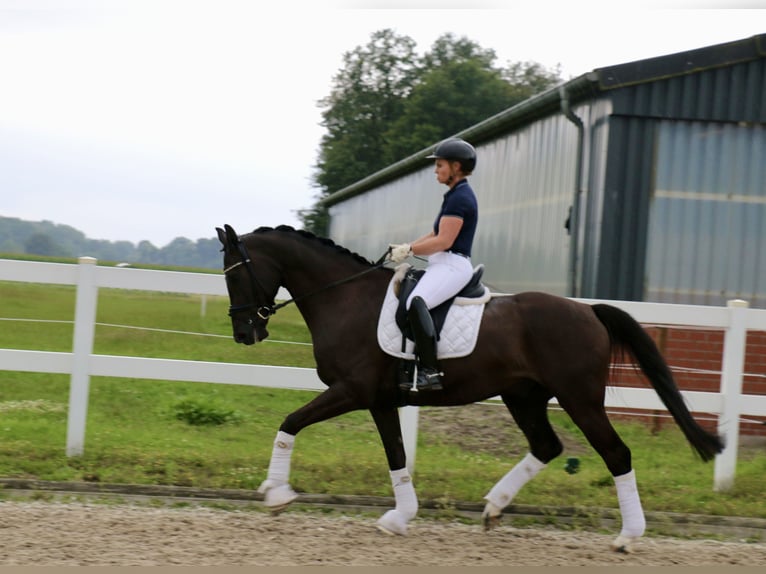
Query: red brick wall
x=695, y=350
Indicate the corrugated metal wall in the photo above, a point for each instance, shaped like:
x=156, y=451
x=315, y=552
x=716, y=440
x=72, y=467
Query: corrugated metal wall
x=595, y=162
x=686, y=189
x=524, y=183
x=707, y=230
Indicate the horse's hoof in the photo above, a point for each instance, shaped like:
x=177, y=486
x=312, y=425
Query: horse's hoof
x=623, y=544
x=277, y=498
x=392, y=523
x=277, y=511
x=491, y=516
x=490, y=522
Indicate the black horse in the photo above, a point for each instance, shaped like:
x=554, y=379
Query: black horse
x=531, y=347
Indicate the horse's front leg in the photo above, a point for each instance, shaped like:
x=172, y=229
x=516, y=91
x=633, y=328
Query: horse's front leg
x=395, y=520
x=276, y=489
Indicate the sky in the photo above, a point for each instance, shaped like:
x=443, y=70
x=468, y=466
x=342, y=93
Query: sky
x=155, y=119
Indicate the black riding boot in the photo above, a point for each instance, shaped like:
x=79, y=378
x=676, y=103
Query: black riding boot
x=424, y=333
x=406, y=372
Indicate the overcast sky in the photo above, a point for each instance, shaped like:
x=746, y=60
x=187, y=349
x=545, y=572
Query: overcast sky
x=155, y=119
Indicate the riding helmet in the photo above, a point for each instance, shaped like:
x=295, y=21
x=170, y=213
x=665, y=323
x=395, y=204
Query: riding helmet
x=456, y=149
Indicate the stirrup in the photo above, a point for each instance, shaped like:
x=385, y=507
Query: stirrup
x=429, y=379
x=406, y=372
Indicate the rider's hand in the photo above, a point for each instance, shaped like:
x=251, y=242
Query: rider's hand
x=399, y=253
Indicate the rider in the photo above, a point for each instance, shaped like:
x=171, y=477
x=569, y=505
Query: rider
x=448, y=247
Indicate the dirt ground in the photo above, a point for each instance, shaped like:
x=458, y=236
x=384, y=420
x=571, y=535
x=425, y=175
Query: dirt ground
x=88, y=534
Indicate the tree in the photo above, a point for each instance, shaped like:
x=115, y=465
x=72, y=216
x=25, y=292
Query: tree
x=459, y=87
x=42, y=244
x=529, y=78
x=386, y=104
x=369, y=93
x=449, y=99
x=180, y=249
x=209, y=253
x=367, y=96
x=146, y=252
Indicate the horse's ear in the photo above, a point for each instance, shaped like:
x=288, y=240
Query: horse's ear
x=221, y=235
x=231, y=235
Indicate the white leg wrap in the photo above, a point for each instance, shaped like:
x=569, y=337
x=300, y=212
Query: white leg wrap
x=633, y=521
x=508, y=486
x=276, y=489
x=279, y=466
x=395, y=521
x=404, y=493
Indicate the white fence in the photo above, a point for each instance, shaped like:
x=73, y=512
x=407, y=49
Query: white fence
x=728, y=405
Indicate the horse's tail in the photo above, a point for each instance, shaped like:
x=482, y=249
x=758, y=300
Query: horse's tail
x=626, y=334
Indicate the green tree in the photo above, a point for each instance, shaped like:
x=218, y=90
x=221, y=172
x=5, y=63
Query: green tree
x=209, y=253
x=460, y=86
x=529, y=78
x=368, y=94
x=387, y=103
x=180, y=249
x=42, y=244
x=146, y=252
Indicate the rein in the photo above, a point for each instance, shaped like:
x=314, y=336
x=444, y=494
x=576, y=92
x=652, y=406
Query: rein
x=266, y=311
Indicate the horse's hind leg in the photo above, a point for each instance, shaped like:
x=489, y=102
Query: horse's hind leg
x=597, y=428
x=528, y=405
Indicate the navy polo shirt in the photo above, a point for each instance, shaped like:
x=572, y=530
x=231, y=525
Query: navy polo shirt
x=460, y=201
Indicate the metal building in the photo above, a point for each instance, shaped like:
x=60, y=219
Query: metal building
x=639, y=181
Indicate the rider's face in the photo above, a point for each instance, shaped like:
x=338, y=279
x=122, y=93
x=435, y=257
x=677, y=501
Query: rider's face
x=446, y=171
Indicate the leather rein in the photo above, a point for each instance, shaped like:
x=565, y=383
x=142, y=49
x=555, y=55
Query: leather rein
x=266, y=311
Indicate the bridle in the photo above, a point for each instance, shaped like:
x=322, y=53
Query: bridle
x=265, y=311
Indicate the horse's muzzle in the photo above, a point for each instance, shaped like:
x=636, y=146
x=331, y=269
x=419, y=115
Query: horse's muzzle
x=245, y=338
x=248, y=334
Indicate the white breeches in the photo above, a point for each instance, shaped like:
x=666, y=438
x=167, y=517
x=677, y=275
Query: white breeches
x=446, y=274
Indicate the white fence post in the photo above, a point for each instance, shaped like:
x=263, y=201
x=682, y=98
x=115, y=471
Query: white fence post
x=732, y=371
x=84, y=331
x=409, y=422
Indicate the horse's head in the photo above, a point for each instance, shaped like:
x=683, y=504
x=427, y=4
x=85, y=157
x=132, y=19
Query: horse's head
x=251, y=288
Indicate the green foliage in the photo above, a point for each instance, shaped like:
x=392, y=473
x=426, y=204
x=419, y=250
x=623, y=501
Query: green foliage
x=197, y=413
x=368, y=95
x=47, y=239
x=449, y=99
x=387, y=103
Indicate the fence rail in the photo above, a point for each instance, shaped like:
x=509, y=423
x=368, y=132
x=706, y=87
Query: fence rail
x=728, y=405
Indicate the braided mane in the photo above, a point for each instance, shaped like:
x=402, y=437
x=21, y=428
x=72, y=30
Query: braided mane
x=311, y=237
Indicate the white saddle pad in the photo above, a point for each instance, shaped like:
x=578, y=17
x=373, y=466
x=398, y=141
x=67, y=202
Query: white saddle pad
x=457, y=338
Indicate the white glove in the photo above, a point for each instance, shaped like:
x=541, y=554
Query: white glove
x=399, y=253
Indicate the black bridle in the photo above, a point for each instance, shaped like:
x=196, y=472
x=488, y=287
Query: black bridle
x=266, y=311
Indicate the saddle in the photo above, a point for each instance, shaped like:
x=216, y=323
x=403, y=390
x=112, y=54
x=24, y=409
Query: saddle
x=474, y=289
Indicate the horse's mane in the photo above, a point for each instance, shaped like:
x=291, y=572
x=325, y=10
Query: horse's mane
x=322, y=240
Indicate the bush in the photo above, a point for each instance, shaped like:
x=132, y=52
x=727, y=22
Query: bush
x=196, y=413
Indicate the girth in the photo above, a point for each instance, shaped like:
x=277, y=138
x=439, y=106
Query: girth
x=473, y=289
